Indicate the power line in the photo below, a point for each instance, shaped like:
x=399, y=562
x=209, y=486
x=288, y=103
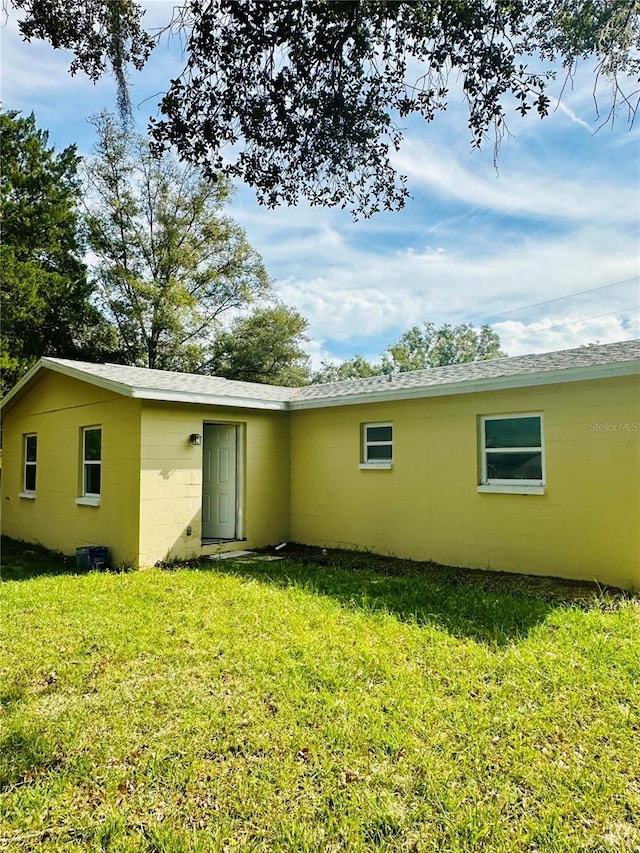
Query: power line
x=557, y=299
x=586, y=319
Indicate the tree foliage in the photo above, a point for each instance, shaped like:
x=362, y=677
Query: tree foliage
x=266, y=346
x=169, y=262
x=419, y=348
x=46, y=307
x=427, y=346
x=307, y=98
x=353, y=368
x=100, y=35
x=313, y=95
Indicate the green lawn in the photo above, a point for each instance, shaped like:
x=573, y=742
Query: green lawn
x=349, y=704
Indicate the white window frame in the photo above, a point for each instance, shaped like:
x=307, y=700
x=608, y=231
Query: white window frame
x=511, y=485
x=375, y=464
x=89, y=498
x=26, y=492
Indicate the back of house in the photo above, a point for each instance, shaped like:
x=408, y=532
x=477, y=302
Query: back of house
x=527, y=464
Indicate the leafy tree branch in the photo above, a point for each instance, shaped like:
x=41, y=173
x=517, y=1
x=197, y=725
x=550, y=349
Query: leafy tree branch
x=308, y=98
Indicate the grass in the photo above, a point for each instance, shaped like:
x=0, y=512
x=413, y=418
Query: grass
x=320, y=703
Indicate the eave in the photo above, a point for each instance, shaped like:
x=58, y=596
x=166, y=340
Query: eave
x=499, y=383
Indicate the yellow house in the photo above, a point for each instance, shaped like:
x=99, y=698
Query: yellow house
x=527, y=464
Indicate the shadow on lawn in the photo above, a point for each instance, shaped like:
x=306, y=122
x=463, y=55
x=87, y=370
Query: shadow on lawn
x=486, y=606
x=22, y=560
x=24, y=755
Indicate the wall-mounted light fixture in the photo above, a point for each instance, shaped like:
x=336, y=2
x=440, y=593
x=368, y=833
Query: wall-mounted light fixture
x=195, y=438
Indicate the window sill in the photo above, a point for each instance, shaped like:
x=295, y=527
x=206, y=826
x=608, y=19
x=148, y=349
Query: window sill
x=30, y=496
x=512, y=490
x=88, y=501
x=376, y=466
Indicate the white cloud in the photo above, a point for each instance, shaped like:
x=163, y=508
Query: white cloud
x=532, y=188
x=368, y=293
x=401, y=295
x=562, y=332
x=319, y=353
x=564, y=108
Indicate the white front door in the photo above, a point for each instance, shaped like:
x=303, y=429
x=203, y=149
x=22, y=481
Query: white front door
x=219, y=481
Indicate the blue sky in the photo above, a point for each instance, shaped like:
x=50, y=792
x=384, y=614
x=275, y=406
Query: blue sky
x=545, y=248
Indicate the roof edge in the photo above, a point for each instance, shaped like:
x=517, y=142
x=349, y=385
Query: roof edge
x=72, y=372
x=91, y=378
x=20, y=384
x=495, y=383
x=208, y=399
x=135, y=392
x=290, y=403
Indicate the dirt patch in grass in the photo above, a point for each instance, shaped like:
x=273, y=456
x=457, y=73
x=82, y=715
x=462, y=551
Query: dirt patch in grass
x=552, y=589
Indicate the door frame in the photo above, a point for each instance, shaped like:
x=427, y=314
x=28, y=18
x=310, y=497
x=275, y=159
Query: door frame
x=239, y=507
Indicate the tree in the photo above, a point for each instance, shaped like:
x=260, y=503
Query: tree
x=46, y=307
x=169, y=262
x=313, y=94
x=100, y=35
x=420, y=348
x=353, y=368
x=307, y=99
x=266, y=346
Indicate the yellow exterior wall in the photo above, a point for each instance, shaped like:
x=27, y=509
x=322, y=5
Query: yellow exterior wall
x=300, y=479
x=171, y=479
x=55, y=410
x=586, y=526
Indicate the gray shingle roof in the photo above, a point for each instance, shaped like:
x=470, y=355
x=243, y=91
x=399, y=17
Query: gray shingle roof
x=566, y=365
x=499, y=368
x=143, y=379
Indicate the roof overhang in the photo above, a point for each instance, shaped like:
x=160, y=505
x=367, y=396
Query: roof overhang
x=208, y=399
x=134, y=392
x=29, y=379
x=378, y=394
x=476, y=386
